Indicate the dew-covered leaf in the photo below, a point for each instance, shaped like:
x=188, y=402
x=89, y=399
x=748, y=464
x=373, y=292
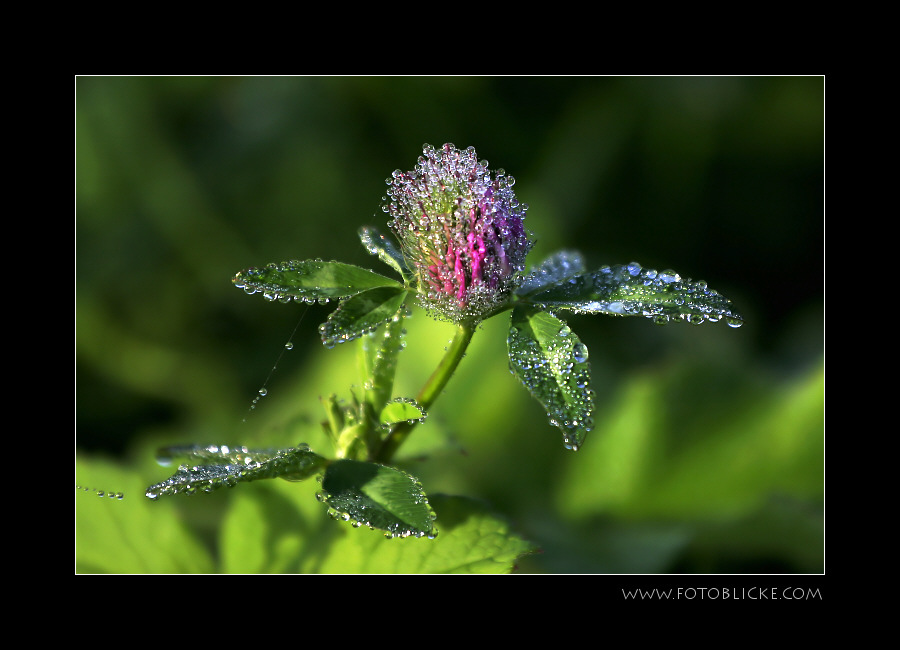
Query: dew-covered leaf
x=309, y=280
x=212, y=454
x=556, y=269
x=552, y=363
x=401, y=410
x=378, y=244
x=223, y=466
x=361, y=314
x=629, y=290
x=377, y=360
x=386, y=498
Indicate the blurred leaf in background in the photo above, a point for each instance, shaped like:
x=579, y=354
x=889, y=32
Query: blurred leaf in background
x=708, y=451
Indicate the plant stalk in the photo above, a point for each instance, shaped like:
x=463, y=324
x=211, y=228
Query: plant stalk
x=430, y=391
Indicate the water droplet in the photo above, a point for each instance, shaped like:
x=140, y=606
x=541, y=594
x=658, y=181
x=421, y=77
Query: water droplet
x=289, y=346
x=734, y=322
x=263, y=391
x=580, y=352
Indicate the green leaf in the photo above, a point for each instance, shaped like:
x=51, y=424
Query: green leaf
x=401, y=410
x=629, y=290
x=361, y=314
x=131, y=534
x=309, y=281
x=473, y=540
x=702, y=442
x=378, y=244
x=379, y=497
x=377, y=360
x=555, y=270
x=238, y=465
x=263, y=531
x=551, y=362
x=280, y=527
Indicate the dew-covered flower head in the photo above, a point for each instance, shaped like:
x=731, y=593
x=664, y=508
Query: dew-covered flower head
x=461, y=231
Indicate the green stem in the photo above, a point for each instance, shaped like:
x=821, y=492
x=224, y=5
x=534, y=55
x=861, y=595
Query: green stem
x=430, y=391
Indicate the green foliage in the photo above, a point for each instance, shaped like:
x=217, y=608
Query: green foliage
x=401, y=410
x=361, y=314
x=551, y=362
x=706, y=450
x=544, y=353
x=629, y=290
x=132, y=535
x=368, y=494
x=226, y=467
x=309, y=281
x=279, y=527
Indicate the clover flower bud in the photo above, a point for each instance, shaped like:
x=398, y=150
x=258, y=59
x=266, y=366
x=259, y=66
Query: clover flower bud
x=460, y=230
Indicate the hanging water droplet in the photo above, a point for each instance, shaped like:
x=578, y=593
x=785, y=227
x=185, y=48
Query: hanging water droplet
x=263, y=391
x=734, y=322
x=289, y=346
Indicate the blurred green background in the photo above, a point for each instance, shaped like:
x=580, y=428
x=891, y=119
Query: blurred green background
x=708, y=455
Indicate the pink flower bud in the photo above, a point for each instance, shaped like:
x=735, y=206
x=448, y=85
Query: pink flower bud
x=460, y=230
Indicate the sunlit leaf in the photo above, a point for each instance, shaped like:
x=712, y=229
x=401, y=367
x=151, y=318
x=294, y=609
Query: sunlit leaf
x=472, y=540
x=555, y=270
x=384, y=248
x=380, y=497
x=552, y=363
x=240, y=465
x=401, y=410
x=361, y=314
x=700, y=443
x=377, y=360
x=131, y=534
x=629, y=290
x=263, y=531
x=309, y=280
